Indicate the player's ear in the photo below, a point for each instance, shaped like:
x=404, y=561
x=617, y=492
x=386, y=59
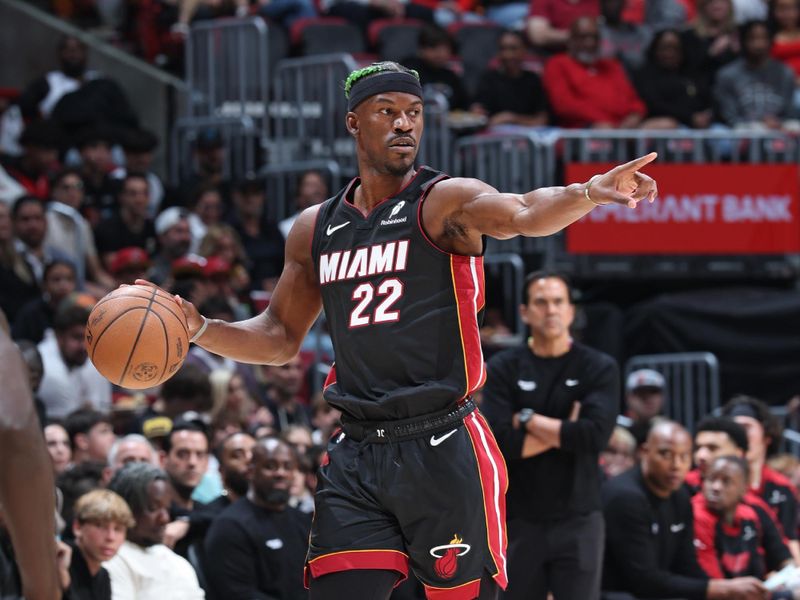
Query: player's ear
x=351, y=122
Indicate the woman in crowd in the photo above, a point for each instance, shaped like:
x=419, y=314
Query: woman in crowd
x=668, y=88
x=784, y=20
x=712, y=41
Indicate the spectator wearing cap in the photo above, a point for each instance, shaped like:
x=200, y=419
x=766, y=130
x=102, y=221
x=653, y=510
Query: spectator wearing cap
x=644, y=400
x=174, y=242
x=70, y=232
x=40, y=143
x=130, y=226
x=70, y=379
x=219, y=282
x=30, y=229
x=36, y=317
x=209, y=168
x=94, y=146
x=763, y=439
x=128, y=265
x=311, y=189
x=139, y=146
x=262, y=241
x=144, y=568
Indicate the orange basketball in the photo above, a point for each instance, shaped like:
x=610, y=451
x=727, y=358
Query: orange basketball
x=137, y=336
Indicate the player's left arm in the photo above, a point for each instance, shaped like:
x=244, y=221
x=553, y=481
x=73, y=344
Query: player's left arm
x=470, y=208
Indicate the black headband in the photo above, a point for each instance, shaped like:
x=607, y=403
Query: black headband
x=386, y=81
x=744, y=410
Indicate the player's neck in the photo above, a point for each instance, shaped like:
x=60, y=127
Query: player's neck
x=550, y=348
x=375, y=187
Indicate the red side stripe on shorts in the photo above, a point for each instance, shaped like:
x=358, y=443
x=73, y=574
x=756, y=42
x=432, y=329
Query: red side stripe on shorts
x=465, y=591
x=494, y=483
x=331, y=378
x=389, y=560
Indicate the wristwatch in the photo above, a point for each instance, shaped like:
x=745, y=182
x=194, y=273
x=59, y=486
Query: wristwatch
x=525, y=415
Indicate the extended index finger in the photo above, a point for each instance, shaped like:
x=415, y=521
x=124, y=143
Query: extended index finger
x=638, y=163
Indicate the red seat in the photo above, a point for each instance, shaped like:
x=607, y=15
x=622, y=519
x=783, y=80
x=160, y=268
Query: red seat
x=326, y=35
x=394, y=39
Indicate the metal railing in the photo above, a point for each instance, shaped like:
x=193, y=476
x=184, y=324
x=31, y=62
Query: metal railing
x=309, y=110
x=511, y=271
x=281, y=183
x=514, y=163
x=240, y=138
x=227, y=69
x=436, y=146
x=692, y=383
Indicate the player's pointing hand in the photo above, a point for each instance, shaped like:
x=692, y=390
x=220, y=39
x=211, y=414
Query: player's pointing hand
x=624, y=184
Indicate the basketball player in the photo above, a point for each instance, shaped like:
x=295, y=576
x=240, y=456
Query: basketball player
x=415, y=478
x=27, y=494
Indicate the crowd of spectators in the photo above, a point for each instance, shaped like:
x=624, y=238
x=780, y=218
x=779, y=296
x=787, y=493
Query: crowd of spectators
x=206, y=490
x=204, y=486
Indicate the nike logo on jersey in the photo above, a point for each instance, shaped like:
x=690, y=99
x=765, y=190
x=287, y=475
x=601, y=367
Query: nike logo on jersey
x=526, y=386
x=274, y=544
x=332, y=229
x=571, y=382
x=676, y=527
x=436, y=441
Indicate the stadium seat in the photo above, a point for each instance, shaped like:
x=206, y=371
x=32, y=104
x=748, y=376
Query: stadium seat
x=278, y=45
x=477, y=45
x=394, y=39
x=326, y=35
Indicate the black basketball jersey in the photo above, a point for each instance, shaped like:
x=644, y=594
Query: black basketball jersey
x=403, y=315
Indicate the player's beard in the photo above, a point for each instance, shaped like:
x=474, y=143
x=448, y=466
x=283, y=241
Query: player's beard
x=399, y=170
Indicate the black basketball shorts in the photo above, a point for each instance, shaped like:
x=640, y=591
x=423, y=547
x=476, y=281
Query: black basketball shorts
x=434, y=501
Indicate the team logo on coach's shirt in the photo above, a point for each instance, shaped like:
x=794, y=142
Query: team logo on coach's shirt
x=446, y=557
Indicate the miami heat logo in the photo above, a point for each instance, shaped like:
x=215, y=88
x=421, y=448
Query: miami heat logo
x=446, y=557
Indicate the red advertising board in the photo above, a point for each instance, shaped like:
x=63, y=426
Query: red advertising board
x=701, y=209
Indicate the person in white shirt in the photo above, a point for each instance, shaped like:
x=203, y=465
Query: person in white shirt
x=144, y=568
x=70, y=380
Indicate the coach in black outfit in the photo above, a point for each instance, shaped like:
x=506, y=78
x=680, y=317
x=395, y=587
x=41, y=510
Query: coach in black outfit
x=552, y=405
x=650, y=545
x=256, y=548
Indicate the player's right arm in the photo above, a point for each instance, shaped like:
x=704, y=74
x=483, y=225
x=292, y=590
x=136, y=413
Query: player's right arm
x=274, y=336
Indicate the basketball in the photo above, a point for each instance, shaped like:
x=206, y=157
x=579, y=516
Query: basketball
x=137, y=337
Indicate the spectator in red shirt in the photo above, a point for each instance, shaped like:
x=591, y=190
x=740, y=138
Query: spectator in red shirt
x=784, y=20
x=731, y=538
x=549, y=21
x=588, y=91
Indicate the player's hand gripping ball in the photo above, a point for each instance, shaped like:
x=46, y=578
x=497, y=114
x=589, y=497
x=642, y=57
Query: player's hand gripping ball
x=137, y=336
